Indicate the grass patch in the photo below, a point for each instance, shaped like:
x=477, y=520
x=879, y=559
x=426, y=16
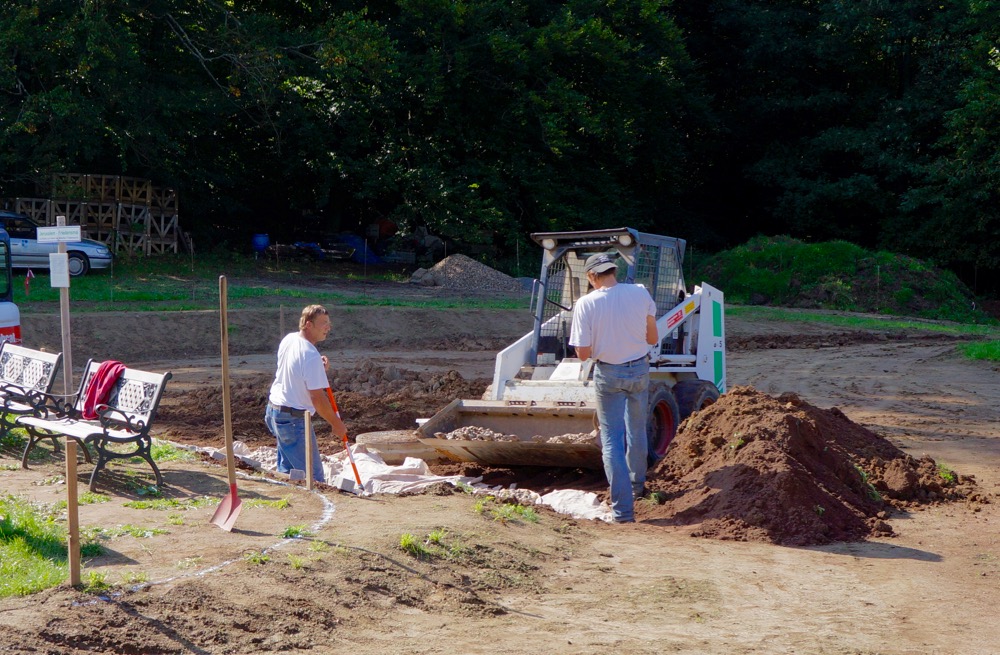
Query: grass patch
x=434, y=545
x=280, y=503
x=985, y=350
x=32, y=548
x=175, y=283
x=118, y=531
x=163, y=504
x=163, y=451
x=504, y=512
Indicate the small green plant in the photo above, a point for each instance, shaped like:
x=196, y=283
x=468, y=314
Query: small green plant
x=410, y=543
x=318, y=546
x=49, y=481
x=437, y=536
x=135, y=577
x=96, y=583
x=296, y=562
x=256, y=557
x=482, y=504
x=737, y=441
x=869, y=488
x=175, y=519
x=655, y=498
x=189, y=562
x=511, y=512
x=13, y=439
x=280, y=503
x=150, y=490
x=465, y=487
x=295, y=532
x=946, y=474
x=819, y=509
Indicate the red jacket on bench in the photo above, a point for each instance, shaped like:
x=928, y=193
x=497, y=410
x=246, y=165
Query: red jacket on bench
x=100, y=387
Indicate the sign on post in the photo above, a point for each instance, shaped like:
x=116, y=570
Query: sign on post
x=59, y=234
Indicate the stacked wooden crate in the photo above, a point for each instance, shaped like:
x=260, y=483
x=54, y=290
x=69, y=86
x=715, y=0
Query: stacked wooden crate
x=127, y=213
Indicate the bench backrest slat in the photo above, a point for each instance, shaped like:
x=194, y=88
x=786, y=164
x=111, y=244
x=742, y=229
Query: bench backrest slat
x=136, y=393
x=32, y=370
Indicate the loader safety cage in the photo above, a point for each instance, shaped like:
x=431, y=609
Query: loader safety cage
x=650, y=260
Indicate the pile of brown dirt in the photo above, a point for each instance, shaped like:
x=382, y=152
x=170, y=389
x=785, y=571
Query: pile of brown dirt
x=753, y=467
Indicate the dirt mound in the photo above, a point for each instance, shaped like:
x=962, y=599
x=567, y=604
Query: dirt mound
x=370, y=398
x=753, y=467
x=461, y=272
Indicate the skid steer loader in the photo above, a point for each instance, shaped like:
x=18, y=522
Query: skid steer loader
x=542, y=391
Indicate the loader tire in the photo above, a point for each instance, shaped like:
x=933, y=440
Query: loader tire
x=694, y=396
x=661, y=421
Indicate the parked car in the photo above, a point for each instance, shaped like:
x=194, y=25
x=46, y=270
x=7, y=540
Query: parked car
x=26, y=252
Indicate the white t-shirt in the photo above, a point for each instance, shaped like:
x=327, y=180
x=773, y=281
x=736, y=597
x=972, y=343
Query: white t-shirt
x=613, y=322
x=300, y=368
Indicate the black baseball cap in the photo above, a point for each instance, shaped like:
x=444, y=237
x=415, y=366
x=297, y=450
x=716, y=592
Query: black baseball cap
x=601, y=263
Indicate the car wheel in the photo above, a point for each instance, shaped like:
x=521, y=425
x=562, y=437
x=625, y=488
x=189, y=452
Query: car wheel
x=79, y=264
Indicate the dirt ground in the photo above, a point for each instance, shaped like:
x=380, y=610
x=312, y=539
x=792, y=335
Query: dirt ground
x=769, y=539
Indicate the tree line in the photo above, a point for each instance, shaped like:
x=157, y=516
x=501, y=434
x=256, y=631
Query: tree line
x=876, y=122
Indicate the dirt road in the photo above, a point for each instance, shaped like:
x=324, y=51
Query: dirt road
x=509, y=585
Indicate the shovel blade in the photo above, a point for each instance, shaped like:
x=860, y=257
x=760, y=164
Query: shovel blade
x=227, y=512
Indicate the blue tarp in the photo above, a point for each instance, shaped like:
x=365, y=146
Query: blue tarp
x=362, y=252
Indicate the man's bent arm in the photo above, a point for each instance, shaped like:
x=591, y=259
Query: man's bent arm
x=652, y=334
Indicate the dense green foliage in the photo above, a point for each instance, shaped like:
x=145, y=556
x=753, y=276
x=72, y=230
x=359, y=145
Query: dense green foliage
x=837, y=275
x=712, y=120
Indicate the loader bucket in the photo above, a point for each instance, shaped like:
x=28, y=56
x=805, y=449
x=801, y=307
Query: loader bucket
x=528, y=422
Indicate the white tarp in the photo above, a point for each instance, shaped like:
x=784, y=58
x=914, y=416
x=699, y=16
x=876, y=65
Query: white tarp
x=413, y=475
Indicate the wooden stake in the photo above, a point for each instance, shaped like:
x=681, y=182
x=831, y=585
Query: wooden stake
x=309, y=452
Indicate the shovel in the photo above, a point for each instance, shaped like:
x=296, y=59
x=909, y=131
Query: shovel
x=229, y=508
x=347, y=446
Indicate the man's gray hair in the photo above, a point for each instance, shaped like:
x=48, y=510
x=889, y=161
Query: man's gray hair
x=310, y=313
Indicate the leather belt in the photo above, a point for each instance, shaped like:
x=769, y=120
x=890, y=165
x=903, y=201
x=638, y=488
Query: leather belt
x=644, y=358
x=287, y=410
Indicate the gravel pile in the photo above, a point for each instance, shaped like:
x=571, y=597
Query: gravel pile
x=461, y=272
x=476, y=433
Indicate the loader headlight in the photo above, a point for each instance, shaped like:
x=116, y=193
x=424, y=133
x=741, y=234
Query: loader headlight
x=625, y=239
x=548, y=244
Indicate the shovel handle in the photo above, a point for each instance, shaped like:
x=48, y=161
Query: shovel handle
x=347, y=445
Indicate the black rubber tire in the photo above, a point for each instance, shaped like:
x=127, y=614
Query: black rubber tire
x=694, y=396
x=661, y=421
x=79, y=264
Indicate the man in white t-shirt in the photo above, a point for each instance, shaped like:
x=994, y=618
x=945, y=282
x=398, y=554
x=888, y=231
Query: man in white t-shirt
x=615, y=324
x=299, y=386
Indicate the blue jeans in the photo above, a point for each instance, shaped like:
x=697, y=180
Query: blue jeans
x=290, y=431
x=622, y=404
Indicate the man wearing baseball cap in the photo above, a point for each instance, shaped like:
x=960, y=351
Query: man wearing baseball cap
x=615, y=324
